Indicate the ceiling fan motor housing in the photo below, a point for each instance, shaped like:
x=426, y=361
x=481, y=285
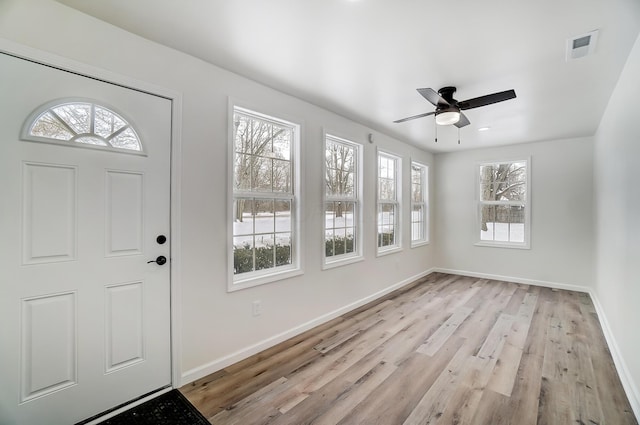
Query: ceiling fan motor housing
x=447, y=94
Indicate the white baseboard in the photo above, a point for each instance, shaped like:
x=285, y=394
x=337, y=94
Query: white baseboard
x=628, y=384
x=206, y=369
x=546, y=284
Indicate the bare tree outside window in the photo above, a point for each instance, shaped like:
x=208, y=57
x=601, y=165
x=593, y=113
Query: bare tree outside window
x=503, y=198
x=262, y=157
x=342, y=204
x=418, y=204
x=388, y=208
x=86, y=124
x=339, y=178
x=263, y=198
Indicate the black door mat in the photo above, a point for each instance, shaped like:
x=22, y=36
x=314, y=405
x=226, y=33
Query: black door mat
x=171, y=408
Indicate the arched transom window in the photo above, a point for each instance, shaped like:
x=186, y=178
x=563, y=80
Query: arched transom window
x=82, y=123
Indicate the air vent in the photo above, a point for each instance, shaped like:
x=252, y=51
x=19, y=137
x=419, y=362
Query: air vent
x=582, y=45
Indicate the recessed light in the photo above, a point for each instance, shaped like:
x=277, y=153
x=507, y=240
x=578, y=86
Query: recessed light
x=484, y=129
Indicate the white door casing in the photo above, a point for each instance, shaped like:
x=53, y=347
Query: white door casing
x=85, y=318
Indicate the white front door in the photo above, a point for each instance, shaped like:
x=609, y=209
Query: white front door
x=84, y=318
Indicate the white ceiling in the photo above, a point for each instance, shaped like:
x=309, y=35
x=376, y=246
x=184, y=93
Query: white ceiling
x=365, y=58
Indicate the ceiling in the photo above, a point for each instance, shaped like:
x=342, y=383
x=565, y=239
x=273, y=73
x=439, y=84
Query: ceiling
x=364, y=59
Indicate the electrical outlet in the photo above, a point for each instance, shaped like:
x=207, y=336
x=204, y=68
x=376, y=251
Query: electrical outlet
x=256, y=308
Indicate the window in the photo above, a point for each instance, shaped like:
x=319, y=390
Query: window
x=82, y=124
x=419, y=211
x=503, y=207
x=388, y=213
x=342, y=209
x=265, y=198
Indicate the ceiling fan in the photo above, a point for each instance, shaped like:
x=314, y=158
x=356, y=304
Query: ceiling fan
x=449, y=111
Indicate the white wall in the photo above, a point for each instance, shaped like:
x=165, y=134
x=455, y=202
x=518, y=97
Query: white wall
x=561, y=214
x=217, y=327
x=617, y=184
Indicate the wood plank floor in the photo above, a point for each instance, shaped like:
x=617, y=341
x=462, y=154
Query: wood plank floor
x=444, y=350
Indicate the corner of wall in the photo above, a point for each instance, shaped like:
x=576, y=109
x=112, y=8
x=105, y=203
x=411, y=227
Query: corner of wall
x=630, y=388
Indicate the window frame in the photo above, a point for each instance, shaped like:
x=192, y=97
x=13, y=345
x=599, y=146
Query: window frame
x=357, y=254
x=254, y=278
x=424, y=182
x=397, y=203
x=25, y=132
x=527, y=206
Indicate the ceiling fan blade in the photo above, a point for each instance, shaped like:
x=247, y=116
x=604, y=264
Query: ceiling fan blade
x=486, y=100
x=415, y=116
x=432, y=96
x=463, y=121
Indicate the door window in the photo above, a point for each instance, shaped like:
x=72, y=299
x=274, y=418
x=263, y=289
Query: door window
x=82, y=124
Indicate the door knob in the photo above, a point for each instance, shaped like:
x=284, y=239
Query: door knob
x=159, y=261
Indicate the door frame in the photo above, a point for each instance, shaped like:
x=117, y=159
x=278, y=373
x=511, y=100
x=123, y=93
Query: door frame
x=82, y=69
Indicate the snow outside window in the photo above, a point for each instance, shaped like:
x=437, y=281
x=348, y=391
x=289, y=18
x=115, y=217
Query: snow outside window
x=419, y=211
x=265, y=198
x=342, y=207
x=503, y=204
x=388, y=203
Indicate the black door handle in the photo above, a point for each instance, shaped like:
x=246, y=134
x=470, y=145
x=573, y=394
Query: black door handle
x=159, y=261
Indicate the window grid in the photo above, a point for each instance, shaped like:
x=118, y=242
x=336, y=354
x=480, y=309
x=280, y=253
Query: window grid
x=503, y=203
x=341, y=200
x=419, y=211
x=82, y=124
x=264, y=201
x=388, y=208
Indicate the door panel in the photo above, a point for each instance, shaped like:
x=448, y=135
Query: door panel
x=48, y=213
x=124, y=338
x=85, y=317
x=124, y=215
x=49, y=341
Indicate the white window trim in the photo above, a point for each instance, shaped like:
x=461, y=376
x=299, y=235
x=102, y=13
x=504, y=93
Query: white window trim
x=527, y=208
x=381, y=251
x=262, y=277
x=425, y=197
x=357, y=255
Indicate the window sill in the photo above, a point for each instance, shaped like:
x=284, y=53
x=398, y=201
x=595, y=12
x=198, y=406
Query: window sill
x=503, y=245
x=387, y=251
x=419, y=244
x=331, y=264
x=250, y=282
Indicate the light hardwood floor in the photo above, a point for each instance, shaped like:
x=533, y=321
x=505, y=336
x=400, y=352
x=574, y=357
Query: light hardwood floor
x=444, y=350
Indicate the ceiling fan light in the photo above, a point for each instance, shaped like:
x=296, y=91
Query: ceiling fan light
x=448, y=117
